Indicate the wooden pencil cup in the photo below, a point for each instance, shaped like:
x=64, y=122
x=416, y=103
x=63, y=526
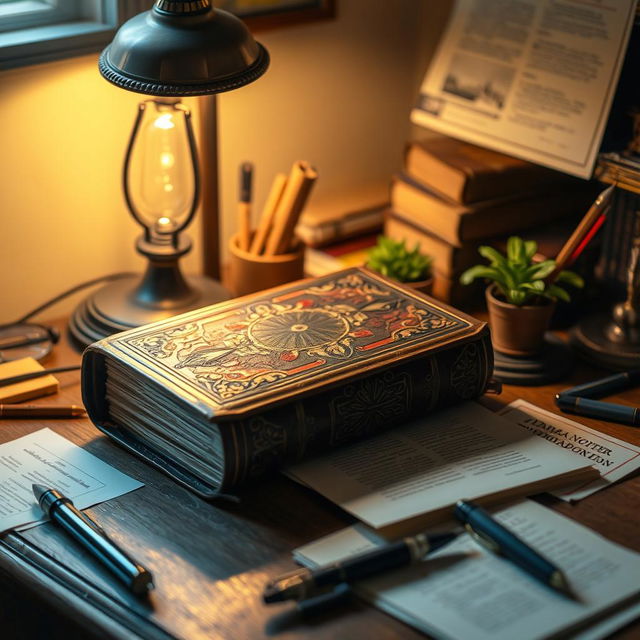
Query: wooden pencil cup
x=249, y=272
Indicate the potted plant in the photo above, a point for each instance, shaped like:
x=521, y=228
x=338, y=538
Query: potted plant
x=522, y=295
x=393, y=259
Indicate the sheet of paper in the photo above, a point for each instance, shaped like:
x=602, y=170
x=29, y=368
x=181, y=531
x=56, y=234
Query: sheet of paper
x=45, y=458
x=614, y=458
x=533, y=78
x=464, y=592
x=466, y=451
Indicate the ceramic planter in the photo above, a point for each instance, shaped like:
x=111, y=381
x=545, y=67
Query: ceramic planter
x=423, y=286
x=517, y=331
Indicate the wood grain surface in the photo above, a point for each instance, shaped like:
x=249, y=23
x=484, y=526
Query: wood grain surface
x=211, y=560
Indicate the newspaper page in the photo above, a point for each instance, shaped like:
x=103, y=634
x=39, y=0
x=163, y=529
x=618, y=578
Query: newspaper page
x=531, y=78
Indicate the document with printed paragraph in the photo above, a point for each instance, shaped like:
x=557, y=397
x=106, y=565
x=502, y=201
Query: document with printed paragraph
x=614, y=458
x=464, y=592
x=45, y=458
x=415, y=474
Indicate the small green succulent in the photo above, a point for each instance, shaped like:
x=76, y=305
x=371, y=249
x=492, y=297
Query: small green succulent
x=391, y=258
x=517, y=277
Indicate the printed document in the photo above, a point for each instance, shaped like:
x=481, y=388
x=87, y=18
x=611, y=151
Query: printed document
x=424, y=467
x=534, y=78
x=45, y=458
x=614, y=458
x=463, y=592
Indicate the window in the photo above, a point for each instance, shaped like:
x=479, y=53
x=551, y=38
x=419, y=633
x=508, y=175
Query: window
x=20, y=14
x=33, y=31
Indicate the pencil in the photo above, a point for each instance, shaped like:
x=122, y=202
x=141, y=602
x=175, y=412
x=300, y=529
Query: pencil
x=41, y=411
x=301, y=180
x=244, y=206
x=266, y=219
x=5, y=382
x=592, y=220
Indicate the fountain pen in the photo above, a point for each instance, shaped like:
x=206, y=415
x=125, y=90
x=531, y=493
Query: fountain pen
x=488, y=532
x=91, y=536
x=300, y=584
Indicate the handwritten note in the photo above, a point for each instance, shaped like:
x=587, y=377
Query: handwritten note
x=45, y=458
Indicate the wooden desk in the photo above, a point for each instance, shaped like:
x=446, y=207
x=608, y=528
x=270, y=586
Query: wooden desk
x=211, y=561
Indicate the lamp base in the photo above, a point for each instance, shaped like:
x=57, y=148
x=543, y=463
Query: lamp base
x=591, y=340
x=114, y=308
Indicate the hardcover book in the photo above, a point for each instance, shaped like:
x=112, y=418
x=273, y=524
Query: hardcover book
x=335, y=218
x=467, y=173
x=224, y=394
x=458, y=223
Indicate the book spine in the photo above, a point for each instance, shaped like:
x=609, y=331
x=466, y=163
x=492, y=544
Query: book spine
x=281, y=436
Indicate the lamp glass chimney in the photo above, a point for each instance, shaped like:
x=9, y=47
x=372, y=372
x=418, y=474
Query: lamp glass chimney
x=161, y=177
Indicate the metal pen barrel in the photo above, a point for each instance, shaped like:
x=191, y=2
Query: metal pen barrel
x=507, y=543
x=598, y=409
x=604, y=386
x=93, y=538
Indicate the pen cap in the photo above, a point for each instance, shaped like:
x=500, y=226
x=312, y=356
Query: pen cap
x=246, y=174
x=49, y=499
x=464, y=509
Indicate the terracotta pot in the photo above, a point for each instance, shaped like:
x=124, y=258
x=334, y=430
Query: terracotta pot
x=424, y=286
x=517, y=331
x=249, y=273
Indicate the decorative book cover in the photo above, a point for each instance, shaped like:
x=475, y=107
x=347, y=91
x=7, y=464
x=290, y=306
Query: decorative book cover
x=270, y=378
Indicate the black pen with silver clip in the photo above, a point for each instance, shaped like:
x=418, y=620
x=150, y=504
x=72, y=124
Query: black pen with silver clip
x=302, y=583
x=488, y=532
x=91, y=536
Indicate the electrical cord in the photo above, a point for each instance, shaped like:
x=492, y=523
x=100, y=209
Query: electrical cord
x=66, y=294
x=23, y=338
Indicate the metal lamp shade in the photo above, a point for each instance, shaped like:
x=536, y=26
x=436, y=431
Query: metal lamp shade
x=180, y=49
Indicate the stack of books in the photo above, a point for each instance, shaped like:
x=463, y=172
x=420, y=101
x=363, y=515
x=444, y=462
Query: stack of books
x=454, y=196
x=333, y=219
x=352, y=252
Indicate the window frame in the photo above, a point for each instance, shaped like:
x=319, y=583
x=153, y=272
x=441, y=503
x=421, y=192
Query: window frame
x=67, y=38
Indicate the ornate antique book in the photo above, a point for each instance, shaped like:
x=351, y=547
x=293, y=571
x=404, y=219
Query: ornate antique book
x=221, y=395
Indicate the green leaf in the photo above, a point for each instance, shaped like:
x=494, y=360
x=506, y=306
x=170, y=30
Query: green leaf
x=536, y=286
x=515, y=249
x=492, y=255
x=554, y=291
x=516, y=296
x=541, y=270
x=479, y=271
x=530, y=248
x=508, y=276
x=392, y=258
x=570, y=278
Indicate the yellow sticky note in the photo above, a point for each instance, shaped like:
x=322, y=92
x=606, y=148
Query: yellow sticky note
x=28, y=389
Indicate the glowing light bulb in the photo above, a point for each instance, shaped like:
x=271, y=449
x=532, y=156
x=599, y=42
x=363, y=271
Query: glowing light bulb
x=167, y=159
x=164, y=121
x=164, y=225
x=161, y=176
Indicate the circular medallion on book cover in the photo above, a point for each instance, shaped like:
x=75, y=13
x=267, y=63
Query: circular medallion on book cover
x=298, y=330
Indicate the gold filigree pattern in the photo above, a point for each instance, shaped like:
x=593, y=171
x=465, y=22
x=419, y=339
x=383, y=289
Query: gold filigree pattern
x=298, y=334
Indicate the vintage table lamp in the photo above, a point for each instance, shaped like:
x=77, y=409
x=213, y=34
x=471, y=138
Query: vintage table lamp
x=179, y=48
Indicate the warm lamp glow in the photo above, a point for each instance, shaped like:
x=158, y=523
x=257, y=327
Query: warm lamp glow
x=161, y=177
x=165, y=121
